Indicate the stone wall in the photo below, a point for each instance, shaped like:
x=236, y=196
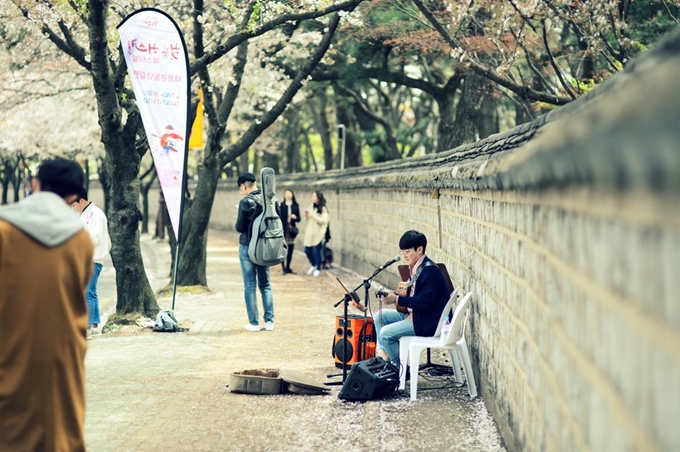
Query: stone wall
x=567, y=230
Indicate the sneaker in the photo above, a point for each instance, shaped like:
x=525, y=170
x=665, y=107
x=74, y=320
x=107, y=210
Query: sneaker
x=253, y=328
x=269, y=326
x=291, y=272
x=311, y=270
x=383, y=354
x=317, y=272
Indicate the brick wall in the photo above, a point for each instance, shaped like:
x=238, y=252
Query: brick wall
x=567, y=230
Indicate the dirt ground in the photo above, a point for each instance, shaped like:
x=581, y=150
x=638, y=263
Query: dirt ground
x=158, y=391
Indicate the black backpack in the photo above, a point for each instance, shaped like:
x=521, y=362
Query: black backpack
x=267, y=245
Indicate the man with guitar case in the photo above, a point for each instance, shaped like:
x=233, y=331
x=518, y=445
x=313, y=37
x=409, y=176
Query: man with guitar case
x=261, y=244
x=427, y=294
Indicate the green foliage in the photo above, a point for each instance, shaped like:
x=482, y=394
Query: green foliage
x=582, y=86
x=649, y=21
x=255, y=17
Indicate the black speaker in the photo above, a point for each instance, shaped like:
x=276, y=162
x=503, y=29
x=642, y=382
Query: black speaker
x=371, y=379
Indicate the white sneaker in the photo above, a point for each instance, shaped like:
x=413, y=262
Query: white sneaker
x=269, y=326
x=253, y=328
x=317, y=272
x=311, y=270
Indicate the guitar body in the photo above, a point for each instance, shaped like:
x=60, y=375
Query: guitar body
x=403, y=291
x=405, y=274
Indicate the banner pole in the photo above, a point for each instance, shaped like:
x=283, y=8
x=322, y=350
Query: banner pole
x=174, y=277
x=158, y=66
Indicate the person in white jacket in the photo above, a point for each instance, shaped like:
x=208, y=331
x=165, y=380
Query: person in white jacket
x=315, y=231
x=94, y=220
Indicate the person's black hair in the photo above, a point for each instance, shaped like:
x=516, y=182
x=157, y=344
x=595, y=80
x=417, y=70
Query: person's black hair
x=412, y=239
x=293, y=193
x=245, y=178
x=322, y=201
x=82, y=194
x=60, y=176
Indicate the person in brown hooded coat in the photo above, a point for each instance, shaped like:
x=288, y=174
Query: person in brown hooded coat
x=45, y=266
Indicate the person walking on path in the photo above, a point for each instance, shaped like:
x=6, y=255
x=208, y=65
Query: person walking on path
x=290, y=216
x=315, y=231
x=94, y=220
x=45, y=265
x=248, y=208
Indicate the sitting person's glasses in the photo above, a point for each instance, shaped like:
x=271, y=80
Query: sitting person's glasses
x=406, y=252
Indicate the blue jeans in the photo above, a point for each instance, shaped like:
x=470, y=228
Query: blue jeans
x=314, y=255
x=389, y=327
x=251, y=274
x=92, y=297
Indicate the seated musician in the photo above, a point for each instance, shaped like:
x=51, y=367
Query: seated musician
x=428, y=296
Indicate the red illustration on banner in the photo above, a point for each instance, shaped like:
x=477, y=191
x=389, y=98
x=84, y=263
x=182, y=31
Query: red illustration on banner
x=168, y=139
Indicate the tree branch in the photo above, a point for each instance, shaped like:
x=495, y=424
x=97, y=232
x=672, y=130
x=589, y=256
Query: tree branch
x=523, y=91
x=75, y=53
x=227, y=104
x=553, y=63
x=236, y=39
x=259, y=125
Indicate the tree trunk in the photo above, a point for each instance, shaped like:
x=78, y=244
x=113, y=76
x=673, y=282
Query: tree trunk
x=18, y=173
x=352, y=151
x=145, y=210
x=446, y=130
x=472, y=120
x=292, y=136
x=132, y=285
x=145, y=187
x=318, y=106
x=87, y=175
x=122, y=166
x=488, y=120
x=5, y=187
x=271, y=160
x=192, y=254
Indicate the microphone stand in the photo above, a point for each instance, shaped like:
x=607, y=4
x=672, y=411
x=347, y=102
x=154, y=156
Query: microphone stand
x=347, y=298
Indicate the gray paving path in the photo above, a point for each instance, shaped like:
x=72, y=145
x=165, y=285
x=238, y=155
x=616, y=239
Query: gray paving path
x=157, y=392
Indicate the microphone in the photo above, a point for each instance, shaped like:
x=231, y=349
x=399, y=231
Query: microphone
x=390, y=262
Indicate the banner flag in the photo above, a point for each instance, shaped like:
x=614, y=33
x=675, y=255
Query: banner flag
x=158, y=65
x=196, y=138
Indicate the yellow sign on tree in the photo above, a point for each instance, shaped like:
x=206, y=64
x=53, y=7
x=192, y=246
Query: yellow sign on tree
x=196, y=136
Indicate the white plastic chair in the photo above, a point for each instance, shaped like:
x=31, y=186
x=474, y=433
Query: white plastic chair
x=405, y=341
x=454, y=342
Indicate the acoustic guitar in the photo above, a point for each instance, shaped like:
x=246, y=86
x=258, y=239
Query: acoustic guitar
x=403, y=290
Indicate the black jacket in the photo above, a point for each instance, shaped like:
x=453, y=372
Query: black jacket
x=428, y=301
x=248, y=208
x=295, y=209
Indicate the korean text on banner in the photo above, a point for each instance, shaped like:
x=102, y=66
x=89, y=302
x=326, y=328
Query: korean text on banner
x=157, y=63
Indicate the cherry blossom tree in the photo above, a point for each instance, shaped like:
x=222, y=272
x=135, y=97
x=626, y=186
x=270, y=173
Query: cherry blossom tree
x=219, y=38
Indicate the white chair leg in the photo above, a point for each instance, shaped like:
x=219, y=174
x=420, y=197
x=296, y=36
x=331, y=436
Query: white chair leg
x=404, y=343
x=415, y=352
x=456, y=365
x=472, y=387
